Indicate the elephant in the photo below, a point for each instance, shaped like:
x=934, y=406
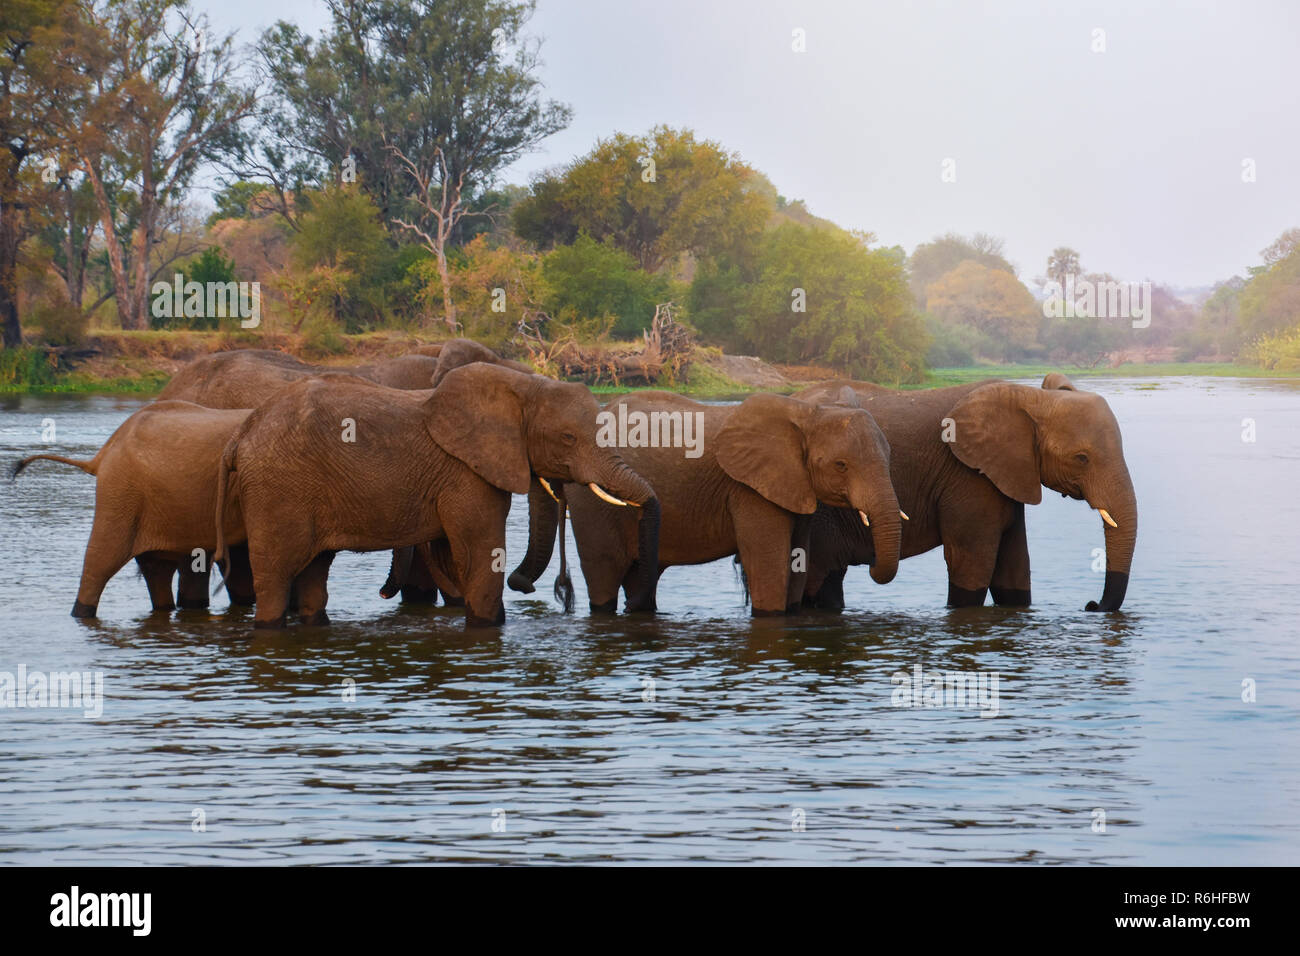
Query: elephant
x=243, y=378
x=966, y=460
x=761, y=467
x=155, y=494
x=420, y=468
x=460, y=352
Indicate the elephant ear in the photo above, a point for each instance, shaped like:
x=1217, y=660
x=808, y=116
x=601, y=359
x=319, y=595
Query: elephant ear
x=476, y=414
x=762, y=446
x=844, y=397
x=995, y=434
x=1055, y=380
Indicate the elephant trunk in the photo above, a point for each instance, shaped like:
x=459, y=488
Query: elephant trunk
x=543, y=517
x=886, y=532
x=621, y=481
x=1119, y=501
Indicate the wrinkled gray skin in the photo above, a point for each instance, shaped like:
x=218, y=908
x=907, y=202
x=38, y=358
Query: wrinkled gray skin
x=966, y=461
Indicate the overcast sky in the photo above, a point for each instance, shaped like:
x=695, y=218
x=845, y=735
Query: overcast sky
x=1133, y=156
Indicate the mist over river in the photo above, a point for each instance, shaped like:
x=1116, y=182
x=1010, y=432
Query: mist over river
x=700, y=734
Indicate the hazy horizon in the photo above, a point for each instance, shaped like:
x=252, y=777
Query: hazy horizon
x=1132, y=156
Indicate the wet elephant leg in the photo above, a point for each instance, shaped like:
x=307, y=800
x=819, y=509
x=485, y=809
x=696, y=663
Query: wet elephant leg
x=108, y=550
x=763, y=536
x=313, y=594
x=191, y=585
x=799, y=540
x=158, y=571
x=476, y=532
x=442, y=570
x=830, y=595
x=607, y=547
x=239, y=577
x=1010, y=584
x=273, y=580
x=971, y=556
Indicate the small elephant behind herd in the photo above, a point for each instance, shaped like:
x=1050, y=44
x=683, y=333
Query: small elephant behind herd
x=267, y=467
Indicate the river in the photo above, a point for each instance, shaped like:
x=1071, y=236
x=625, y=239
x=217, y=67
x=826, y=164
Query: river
x=699, y=735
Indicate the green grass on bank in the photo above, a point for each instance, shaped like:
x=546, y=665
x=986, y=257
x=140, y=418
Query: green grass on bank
x=975, y=373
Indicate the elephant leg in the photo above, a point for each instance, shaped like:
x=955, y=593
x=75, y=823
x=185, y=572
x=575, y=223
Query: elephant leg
x=1010, y=585
x=476, y=531
x=239, y=577
x=830, y=596
x=970, y=566
x=313, y=594
x=443, y=573
x=191, y=585
x=799, y=542
x=272, y=581
x=399, y=571
x=606, y=548
x=631, y=581
x=108, y=550
x=158, y=572
x=763, y=541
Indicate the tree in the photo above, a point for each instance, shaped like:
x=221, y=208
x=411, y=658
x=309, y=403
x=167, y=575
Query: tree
x=656, y=197
x=1063, y=262
x=991, y=301
x=32, y=81
x=930, y=261
x=857, y=313
x=163, y=99
x=589, y=279
x=343, y=258
x=1270, y=301
x=423, y=103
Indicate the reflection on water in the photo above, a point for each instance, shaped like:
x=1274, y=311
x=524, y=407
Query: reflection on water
x=698, y=734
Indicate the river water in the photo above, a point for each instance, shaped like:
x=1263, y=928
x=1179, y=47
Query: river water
x=699, y=735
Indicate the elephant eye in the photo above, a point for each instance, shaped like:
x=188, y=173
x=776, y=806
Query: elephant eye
x=569, y=438
x=841, y=465
x=1081, y=458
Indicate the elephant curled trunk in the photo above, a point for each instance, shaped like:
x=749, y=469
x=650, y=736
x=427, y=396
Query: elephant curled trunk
x=886, y=534
x=1120, y=502
x=543, y=518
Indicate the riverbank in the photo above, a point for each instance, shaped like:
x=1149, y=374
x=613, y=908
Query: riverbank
x=141, y=363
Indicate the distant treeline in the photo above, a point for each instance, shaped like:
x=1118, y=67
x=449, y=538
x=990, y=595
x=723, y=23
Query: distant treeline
x=362, y=190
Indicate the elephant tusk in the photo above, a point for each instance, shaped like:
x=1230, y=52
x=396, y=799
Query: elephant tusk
x=604, y=495
x=903, y=515
x=1105, y=516
x=547, y=486
x=863, y=516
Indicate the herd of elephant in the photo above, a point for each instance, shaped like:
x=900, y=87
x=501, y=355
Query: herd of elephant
x=266, y=467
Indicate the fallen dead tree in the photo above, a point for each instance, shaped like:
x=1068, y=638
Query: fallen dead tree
x=660, y=358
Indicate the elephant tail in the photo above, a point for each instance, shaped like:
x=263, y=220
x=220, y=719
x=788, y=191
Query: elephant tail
x=89, y=467
x=742, y=578
x=563, y=583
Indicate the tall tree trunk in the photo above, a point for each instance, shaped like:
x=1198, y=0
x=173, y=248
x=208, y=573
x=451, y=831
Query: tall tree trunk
x=448, y=307
x=9, y=239
x=116, y=264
